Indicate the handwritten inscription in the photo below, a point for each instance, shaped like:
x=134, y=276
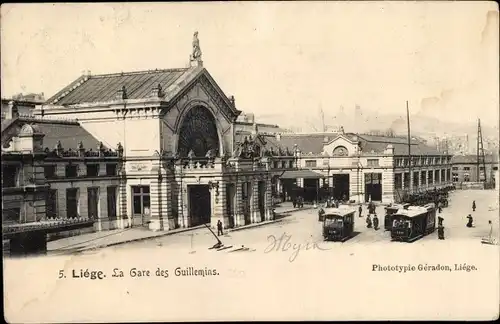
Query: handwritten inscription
x=284, y=244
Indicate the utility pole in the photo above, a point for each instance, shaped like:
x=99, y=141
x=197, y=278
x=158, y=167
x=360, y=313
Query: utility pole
x=480, y=153
x=409, y=145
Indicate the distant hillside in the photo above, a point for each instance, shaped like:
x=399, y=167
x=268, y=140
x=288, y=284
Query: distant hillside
x=420, y=125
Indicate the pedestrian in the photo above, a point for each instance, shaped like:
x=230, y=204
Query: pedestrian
x=375, y=222
x=469, y=223
x=491, y=229
x=219, y=228
x=368, y=221
x=441, y=232
x=360, y=210
x=440, y=221
x=474, y=206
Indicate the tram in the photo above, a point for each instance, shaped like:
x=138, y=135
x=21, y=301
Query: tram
x=338, y=223
x=389, y=211
x=413, y=223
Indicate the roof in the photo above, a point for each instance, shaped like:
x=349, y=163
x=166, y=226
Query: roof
x=310, y=143
x=341, y=211
x=104, y=87
x=412, y=211
x=378, y=144
x=68, y=132
x=6, y=123
x=313, y=143
x=472, y=159
x=397, y=206
x=306, y=174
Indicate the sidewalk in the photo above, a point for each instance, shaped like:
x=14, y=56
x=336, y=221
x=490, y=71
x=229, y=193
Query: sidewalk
x=120, y=236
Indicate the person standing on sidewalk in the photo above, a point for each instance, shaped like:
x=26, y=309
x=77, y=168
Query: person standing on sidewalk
x=219, y=228
x=375, y=222
x=360, y=210
x=474, y=206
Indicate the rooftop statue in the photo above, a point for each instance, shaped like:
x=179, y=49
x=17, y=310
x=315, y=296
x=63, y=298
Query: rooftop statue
x=196, y=47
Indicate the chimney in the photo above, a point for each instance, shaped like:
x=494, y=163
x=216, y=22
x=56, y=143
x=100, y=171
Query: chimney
x=121, y=93
x=12, y=111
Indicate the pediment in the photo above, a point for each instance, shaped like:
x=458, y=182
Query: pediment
x=204, y=81
x=341, y=145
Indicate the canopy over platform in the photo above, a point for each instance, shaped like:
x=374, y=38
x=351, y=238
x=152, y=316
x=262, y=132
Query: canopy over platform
x=305, y=174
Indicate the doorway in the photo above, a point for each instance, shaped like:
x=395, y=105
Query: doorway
x=93, y=202
x=230, y=197
x=72, y=202
x=340, y=186
x=200, y=207
x=246, y=197
x=373, y=186
x=262, y=200
x=141, y=206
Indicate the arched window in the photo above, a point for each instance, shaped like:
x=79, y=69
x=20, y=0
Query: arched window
x=198, y=133
x=340, y=151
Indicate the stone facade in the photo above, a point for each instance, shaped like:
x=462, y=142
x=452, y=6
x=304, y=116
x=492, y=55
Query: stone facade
x=227, y=175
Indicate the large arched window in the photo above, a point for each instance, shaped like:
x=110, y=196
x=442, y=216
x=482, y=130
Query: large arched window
x=340, y=151
x=198, y=133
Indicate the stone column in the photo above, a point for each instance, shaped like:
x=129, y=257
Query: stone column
x=166, y=216
x=83, y=210
x=218, y=195
x=156, y=223
x=254, y=202
x=269, y=200
x=183, y=206
x=103, y=217
x=122, y=203
x=239, y=218
x=388, y=186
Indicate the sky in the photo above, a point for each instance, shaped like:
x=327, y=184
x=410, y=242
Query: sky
x=283, y=59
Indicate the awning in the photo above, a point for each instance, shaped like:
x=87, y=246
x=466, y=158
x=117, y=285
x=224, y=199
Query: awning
x=305, y=174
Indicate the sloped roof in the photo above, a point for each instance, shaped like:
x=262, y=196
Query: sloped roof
x=472, y=159
x=313, y=143
x=6, y=123
x=104, y=87
x=310, y=143
x=69, y=133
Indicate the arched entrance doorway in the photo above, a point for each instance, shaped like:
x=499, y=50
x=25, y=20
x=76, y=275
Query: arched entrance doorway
x=198, y=134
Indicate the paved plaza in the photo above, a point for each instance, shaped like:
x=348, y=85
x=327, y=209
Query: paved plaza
x=301, y=226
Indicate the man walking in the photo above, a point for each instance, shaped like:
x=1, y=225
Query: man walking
x=219, y=228
x=360, y=210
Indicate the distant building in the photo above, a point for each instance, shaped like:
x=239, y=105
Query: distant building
x=56, y=169
x=367, y=167
x=464, y=168
x=17, y=108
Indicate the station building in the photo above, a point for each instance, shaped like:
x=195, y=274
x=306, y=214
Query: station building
x=366, y=168
x=182, y=156
x=55, y=169
x=465, y=170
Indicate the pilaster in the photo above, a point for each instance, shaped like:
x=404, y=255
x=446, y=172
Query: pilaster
x=218, y=196
x=388, y=186
x=156, y=223
x=239, y=218
x=269, y=200
x=254, y=202
x=83, y=210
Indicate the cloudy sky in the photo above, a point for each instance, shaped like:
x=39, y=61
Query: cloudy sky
x=274, y=58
